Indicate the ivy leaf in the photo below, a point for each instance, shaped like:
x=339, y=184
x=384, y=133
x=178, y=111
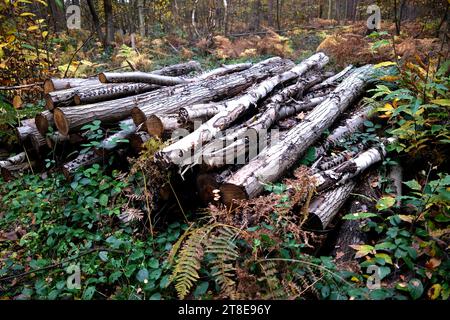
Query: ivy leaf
x=385, y=257
x=142, y=275
x=441, y=102
x=413, y=184
x=88, y=293
x=103, y=255
x=359, y=215
x=415, y=288
x=385, y=203
x=385, y=63
x=201, y=289
x=103, y=200
x=362, y=250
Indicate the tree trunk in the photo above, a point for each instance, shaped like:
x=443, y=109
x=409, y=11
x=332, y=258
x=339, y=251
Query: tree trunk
x=141, y=18
x=275, y=160
x=66, y=83
x=95, y=20
x=181, y=150
x=109, y=22
x=57, y=15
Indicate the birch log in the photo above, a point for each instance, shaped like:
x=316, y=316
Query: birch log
x=165, y=100
x=142, y=77
x=209, y=89
x=127, y=128
x=332, y=80
x=29, y=131
x=351, y=125
x=234, y=144
x=276, y=159
x=55, y=84
x=14, y=160
x=95, y=93
x=179, y=151
x=351, y=168
x=82, y=160
x=225, y=69
x=324, y=208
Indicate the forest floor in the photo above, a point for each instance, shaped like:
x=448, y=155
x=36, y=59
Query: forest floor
x=52, y=231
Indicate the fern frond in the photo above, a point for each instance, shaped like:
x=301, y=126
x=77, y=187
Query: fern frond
x=222, y=246
x=185, y=273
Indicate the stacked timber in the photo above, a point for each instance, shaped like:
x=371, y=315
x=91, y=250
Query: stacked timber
x=237, y=128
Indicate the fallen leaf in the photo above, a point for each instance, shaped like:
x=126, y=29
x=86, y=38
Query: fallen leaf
x=433, y=263
x=434, y=291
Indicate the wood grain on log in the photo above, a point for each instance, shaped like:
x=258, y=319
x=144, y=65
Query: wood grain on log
x=44, y=121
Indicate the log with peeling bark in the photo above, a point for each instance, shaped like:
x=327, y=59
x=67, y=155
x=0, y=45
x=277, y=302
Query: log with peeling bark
x=362, y=199
x=351, y=168
x=55, y=84
x=95, y=93
x=332, y=80
x=179, y=151
x=137, y=140
x=275, y=160
x=13, y=160
x=44, y=121
x=23, y=132
x=101, y=92
x=81, y=160
x=225, y=69
x=166, y=100
x=127, y=127
x=234, y=144
x=142, y=77
x=324, y=208
x=210, y=89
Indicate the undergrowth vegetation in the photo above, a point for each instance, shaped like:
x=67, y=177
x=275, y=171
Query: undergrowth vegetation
x=99, y=236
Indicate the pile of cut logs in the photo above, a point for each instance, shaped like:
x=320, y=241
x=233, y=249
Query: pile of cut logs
x=222, y=121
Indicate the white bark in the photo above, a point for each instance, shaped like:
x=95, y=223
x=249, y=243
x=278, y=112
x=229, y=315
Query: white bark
x=177, y=152
x=273, y=161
